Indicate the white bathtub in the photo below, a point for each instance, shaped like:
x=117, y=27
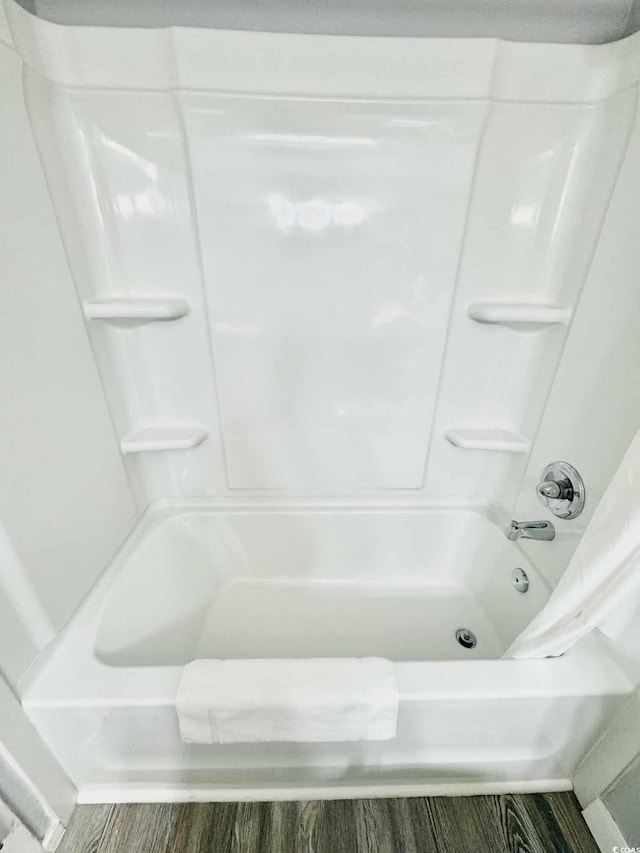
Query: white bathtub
x=276, y=581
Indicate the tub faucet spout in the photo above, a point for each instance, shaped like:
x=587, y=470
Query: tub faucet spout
x=542, y=530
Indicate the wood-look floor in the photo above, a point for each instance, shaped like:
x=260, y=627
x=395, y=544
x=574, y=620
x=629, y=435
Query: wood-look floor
x=531, y=823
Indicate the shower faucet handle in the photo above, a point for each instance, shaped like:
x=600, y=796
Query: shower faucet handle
x=561, y=490
x=556, y=490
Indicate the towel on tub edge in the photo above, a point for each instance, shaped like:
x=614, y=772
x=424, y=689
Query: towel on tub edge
x=302, y=700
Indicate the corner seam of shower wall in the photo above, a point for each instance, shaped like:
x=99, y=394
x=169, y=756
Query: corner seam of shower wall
x=631, y=124
x=32, y=81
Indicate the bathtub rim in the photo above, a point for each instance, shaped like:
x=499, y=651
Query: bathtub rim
x=68, y=672
x=484, y=517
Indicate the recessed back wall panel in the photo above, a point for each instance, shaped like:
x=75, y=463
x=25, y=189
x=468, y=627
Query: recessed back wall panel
x=330, y=234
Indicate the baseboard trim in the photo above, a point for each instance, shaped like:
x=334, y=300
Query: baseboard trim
x=53, y=837
x=94, y=794
x=603, y=827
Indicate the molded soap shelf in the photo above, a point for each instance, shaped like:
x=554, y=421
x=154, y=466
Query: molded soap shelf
x=518, y=315
x=163, y=438
x=488, y=438
x=133, y=312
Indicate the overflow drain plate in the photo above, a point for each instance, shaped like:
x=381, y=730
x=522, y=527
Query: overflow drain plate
x=520, y=580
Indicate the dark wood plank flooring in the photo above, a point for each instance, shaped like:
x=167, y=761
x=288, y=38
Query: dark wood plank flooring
x=531, y=823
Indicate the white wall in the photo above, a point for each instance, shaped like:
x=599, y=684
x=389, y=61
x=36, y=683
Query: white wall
x=606, y=781
x=32, y=783
x=14, y=836
x=593, y=410
x=534, y=20
x=622, y=802
x=65, y=504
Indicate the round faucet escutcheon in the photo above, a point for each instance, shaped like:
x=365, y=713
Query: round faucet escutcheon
x=561, y=490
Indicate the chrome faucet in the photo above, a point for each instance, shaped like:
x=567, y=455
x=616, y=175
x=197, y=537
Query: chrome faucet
x=542, y=530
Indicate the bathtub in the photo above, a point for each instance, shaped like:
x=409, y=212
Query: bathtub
x=324, y=579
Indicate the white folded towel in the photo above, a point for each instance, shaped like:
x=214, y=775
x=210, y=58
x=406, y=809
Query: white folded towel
x=304, y=700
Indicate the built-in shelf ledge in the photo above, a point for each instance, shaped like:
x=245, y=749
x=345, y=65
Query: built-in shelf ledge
x=134, y=312
x=488, y=439
x=519, y=316
x=162, y=438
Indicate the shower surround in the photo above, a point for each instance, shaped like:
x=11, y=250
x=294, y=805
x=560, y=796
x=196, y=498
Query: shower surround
x=328, y=281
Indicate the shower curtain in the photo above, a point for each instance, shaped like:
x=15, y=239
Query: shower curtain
x=603, y=573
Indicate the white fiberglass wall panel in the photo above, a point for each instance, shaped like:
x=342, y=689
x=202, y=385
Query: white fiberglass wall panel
x=361, y=292
x=543, y=181
x=593, y=411
x=330, y=235
x=119, y=177
x=65, y=504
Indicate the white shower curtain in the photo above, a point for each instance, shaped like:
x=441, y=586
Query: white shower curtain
x=603, y=573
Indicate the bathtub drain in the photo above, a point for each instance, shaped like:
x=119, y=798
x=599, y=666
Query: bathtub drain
x=466, y=638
